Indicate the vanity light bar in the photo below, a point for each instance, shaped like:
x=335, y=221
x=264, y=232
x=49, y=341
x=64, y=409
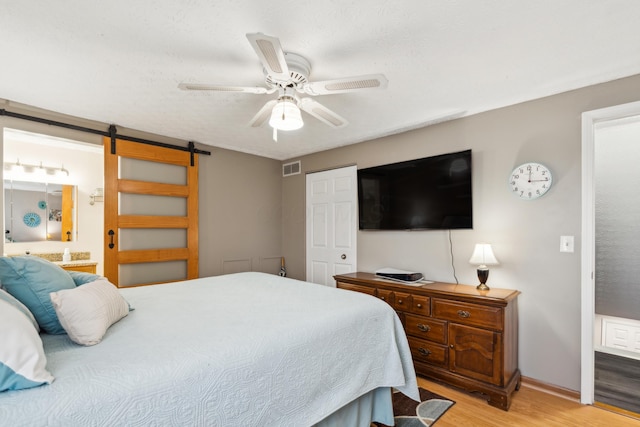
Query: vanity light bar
x=27, y=168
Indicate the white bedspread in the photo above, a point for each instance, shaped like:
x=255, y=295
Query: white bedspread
x=247, y=349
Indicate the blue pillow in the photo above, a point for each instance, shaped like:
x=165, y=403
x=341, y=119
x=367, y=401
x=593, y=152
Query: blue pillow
x=22, y=359
x=31, y=279
x=81, y=278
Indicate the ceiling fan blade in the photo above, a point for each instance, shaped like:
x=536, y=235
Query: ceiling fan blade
x=263, y=115
x=219, y=88
x=271, y=55
x=347, y=84
x=322, y=113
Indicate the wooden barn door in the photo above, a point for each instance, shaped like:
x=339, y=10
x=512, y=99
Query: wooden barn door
x=151, y=214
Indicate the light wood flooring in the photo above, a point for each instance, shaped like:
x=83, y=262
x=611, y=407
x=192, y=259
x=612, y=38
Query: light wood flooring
x=529, y=407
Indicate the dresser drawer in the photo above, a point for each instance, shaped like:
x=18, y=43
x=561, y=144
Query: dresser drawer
x=426, y=328
x=428, y=352
x=357, y=288
x=468, y=314
x=401, y=301
x=386, y=296
x=420, y=305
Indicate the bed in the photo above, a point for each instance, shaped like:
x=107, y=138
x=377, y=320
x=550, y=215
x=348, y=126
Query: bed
x=246, y=349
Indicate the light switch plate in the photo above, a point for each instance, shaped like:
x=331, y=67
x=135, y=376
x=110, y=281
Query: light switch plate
x=566, y=243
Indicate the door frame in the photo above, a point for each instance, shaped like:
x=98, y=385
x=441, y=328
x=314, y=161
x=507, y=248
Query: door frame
x=587, y=358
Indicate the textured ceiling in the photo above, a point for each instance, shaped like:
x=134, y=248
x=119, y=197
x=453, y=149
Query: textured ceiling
x=121, y=61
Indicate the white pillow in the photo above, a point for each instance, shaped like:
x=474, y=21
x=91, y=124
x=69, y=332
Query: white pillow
x=22, y=359
x=6, y=296
x=86, y=312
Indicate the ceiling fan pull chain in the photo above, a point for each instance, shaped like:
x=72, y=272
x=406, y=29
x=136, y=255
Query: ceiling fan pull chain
x=283, y=119
x=275, y=134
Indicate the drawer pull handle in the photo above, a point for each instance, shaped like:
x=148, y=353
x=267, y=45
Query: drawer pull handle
x=424, y=328
x=382, y=298
x=464, y=314
x=419, y=305
x=399, y=301
x=424, y=351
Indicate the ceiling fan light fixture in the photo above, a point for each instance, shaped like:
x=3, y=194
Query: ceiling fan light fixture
x=286, y=115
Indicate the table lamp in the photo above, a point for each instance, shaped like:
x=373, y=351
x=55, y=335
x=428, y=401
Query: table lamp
x=482, y=257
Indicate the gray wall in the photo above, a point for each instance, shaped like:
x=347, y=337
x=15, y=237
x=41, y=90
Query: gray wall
x=525, y=234
x=240, y=211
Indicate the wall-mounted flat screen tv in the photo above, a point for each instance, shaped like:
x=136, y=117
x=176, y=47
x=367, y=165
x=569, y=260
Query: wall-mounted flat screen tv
x=432, y=193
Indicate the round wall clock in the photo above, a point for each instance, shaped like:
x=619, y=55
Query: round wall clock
x=530, y=180
x=31, y=219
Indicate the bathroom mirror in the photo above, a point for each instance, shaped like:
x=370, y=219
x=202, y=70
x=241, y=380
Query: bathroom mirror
x=37, y=211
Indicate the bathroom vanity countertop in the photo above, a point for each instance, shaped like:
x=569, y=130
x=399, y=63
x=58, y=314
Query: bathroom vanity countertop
x=81, y=265
x=57, y=256
x=76, y=263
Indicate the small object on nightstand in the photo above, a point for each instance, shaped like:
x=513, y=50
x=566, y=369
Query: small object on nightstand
x=66, y=255
x=483, y=256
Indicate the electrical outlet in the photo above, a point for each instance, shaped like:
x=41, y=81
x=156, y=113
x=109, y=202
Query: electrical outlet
x=566, y=243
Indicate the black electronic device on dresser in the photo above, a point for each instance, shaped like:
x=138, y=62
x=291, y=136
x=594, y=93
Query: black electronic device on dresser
x=457, y=334
x=400, y=275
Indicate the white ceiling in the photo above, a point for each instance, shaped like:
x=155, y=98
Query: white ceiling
x=120, y=61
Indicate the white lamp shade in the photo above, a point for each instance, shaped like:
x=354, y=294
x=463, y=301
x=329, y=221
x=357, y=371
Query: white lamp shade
x=483, y=255
x=286, y=116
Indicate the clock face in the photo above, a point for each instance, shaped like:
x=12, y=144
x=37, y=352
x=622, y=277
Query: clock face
x=530, y=180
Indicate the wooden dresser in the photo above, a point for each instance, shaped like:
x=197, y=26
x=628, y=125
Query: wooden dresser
x=457, y=334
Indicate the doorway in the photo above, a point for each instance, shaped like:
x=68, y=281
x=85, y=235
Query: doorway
x=83, y=164
x=605, y=274
x=331, y=224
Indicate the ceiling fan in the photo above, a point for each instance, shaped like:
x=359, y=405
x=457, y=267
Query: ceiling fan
x=288, y=74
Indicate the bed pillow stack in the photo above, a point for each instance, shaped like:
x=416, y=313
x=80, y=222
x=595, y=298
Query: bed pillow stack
x=38, y=295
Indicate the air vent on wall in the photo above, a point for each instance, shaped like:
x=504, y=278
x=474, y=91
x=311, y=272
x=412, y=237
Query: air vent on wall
x=292, y=168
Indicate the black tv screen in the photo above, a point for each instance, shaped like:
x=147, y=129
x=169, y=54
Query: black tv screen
x=431, y=193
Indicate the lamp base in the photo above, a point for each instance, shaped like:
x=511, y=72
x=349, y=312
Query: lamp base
x=483, y=275
x=482, y=287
